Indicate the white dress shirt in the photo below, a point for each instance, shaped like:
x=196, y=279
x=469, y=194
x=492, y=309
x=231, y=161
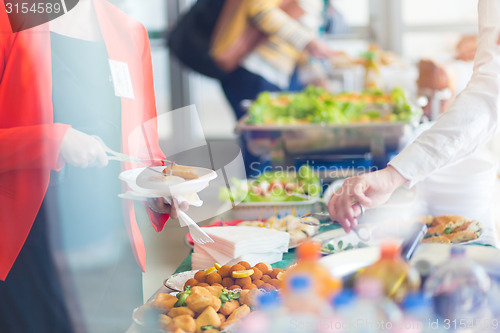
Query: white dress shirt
x=472, y=119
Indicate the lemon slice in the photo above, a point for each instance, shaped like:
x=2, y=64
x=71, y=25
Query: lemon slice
x=269, y=267
x=217, y=266
x=280, y=276
x=210, y=270
x=243, y=274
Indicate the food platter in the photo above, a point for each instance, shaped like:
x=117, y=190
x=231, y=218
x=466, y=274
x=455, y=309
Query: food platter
x=344, y=263
x=324, y=138
x=340, y=241
x=176, y=282
x=388, y=231
x=156, y=187
x=264, y=210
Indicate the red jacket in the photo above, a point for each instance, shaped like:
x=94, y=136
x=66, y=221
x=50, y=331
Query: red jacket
x=30, y=140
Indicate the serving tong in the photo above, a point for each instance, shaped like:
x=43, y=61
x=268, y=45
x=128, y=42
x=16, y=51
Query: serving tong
x=197, y=233
x=116, y=156
x=359, y=230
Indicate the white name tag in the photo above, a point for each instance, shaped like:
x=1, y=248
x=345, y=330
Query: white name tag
x=121, y=79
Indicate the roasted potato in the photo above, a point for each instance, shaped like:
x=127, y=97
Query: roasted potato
x=249, y=297
x=164, y=302
x=166, y=323
x=178, y=330
x=200, y=291
x=180, y=311
x=185, y=323
x=229, y=307
x=215, y=290
x=208, y=317
x=237, y=315
x=198, y=302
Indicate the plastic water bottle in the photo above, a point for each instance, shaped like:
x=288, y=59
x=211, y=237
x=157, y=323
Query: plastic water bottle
x=395, y=274
x=323, y=284
x=459, y=290
x=302, y=304
x=267, y=319
x=367, y=313
x=417, y=315
x=343, y=305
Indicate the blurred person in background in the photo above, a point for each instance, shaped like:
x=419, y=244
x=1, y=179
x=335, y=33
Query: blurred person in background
x=291, y=30
x=252, y=46
x=279, y=61
x=58, y=88
x=469, y=123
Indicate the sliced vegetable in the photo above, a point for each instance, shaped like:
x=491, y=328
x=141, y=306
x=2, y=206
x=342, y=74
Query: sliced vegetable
x=228, y=295
x=330, y=248
x=182, y=296
x=275, y=186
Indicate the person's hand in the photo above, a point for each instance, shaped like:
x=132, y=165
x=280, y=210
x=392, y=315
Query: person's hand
x=160, y=205
x=368, y=190
x=82, y=150
x=319, y=49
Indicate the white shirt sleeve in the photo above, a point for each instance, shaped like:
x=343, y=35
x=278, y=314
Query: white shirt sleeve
x=472, y=119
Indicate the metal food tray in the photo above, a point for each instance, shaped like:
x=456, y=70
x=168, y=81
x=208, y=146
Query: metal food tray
x=376, y=138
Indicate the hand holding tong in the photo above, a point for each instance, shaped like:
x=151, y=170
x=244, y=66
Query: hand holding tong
x=114, y=155
x=325, y=215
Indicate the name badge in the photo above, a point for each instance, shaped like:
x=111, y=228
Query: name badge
x=122, y=81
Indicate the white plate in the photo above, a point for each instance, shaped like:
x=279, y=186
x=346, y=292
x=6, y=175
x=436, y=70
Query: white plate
x=343, y=263
x=337, y=235
x=249, y=211
x=131, y=195
x=176, y=282
x=159, y=188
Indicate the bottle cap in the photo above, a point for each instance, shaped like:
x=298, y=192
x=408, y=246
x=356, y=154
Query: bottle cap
x=345, y=298
x=457, y=251
x=309, y=251
x=416, y=300
x=268, y=300
x=423, y=267
x=390, y=250
x=300, y=283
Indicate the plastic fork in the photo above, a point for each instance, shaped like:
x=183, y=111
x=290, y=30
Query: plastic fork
x=199, y=236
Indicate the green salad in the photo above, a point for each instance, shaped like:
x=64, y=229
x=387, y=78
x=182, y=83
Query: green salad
x=275, y=186
x=316, y=105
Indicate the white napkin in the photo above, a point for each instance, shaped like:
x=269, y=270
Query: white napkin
x=234, y=244
x=238, y=241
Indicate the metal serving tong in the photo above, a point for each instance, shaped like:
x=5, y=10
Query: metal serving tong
x=114, y=155
x=361, y=231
